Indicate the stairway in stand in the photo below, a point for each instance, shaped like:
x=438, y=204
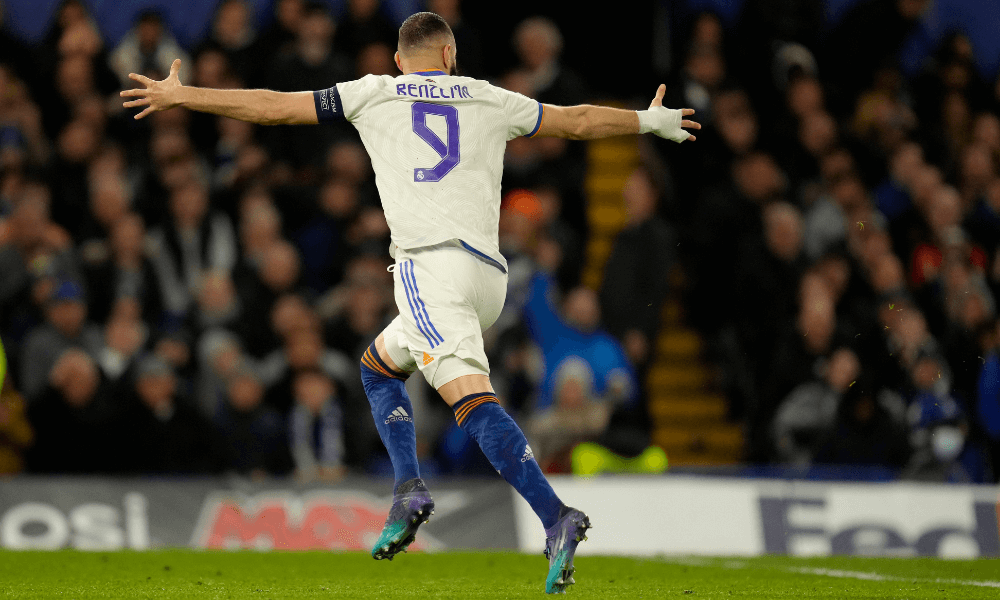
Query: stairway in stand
x=689, y=420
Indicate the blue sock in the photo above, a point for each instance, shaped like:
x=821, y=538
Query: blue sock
x=503, y=443
x=393, y=414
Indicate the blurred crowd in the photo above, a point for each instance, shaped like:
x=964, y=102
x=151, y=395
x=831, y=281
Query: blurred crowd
x=842, y=237
x=192, y=294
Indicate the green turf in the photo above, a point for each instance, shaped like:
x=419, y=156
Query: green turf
x=187, y=574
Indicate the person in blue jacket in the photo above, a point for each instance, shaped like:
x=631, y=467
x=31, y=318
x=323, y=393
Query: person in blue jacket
x=573, y=334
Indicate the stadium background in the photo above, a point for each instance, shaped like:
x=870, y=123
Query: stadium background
x=807, y=292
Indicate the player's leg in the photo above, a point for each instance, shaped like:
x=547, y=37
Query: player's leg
x=385, y=367
x=455, y=297
x=452, y=298
x=479, y=414
x=385, y=385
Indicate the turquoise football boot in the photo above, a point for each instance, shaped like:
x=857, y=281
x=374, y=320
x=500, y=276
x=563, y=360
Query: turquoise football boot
x=412, y=506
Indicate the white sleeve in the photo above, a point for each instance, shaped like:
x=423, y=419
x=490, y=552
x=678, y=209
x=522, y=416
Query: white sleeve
x=346, y=100
x=524, y=115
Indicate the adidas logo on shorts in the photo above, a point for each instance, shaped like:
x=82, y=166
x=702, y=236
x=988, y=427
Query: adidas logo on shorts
x=398, y=414
x=528, y=454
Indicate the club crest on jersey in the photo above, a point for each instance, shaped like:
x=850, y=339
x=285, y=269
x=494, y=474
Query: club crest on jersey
x=398, y=414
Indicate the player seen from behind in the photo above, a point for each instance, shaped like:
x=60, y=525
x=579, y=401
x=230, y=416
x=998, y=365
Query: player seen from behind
x=436, y=142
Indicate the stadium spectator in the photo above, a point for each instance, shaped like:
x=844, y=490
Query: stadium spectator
x=870, y=429
x=23, y=140
x=108, y=202
x=359, y=306
x=574, y=416
x=376, y=58
x=70, y=66
x=252, y=435
x=316, y=428
x=219, y=356
x=466, y=36
x=303, y=351
x=938, y=426
x=277, y=274
x=234, y=34
x=322, y=242
x=636, y=276
x=312, y=63
x=362, y=25
x=575, y=334
x=122, y=272
x=218, y=305
x=166, y=435
x=194, y=240
x=13, y=49
x=76, y=145
x=34, y=254
x=809, y=412
x=288, y=15
x=704, y=67
x=868, y=35
x=148, y=48
x=76, y=423
x=988, y=391
x=559, y=244
x=125, y=336
x=539, y=44
x=66, y=327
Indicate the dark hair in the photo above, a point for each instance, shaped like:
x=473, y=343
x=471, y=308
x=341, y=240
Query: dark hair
x=151, y=16
x=420, y=28
x=316, y=9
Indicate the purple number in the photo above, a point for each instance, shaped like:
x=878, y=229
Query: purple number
x=449, y=152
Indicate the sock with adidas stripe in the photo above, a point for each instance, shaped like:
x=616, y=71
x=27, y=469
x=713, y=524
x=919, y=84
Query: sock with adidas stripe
x=393, y=413
x=503, y=443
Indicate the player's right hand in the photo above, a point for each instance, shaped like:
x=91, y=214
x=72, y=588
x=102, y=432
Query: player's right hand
x=670, y=129
x=157, y=95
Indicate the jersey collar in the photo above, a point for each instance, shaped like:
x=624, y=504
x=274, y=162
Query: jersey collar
x=429, y=72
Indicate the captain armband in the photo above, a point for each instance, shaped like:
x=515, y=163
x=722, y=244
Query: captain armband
x=328, y=105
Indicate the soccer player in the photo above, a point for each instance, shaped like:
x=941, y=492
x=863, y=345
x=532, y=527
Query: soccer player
x=436, y=142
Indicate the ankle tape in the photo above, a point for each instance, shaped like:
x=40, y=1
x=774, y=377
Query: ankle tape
x=470, y=403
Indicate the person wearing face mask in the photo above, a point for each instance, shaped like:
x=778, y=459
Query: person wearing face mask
x=938, y=426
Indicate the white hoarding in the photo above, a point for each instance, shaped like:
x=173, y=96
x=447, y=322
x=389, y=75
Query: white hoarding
x=646, y=516
x=716, y=516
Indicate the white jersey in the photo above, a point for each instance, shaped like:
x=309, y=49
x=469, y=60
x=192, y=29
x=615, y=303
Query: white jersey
x=436, y=144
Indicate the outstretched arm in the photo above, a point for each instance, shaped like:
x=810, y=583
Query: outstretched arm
x=256, y=106
x=587, y=122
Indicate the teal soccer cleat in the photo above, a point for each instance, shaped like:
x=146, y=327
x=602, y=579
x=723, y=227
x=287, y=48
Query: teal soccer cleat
x=412, y=506
x=560, y=546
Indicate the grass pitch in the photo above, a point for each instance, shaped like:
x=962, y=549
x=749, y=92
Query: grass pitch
x=238, y=575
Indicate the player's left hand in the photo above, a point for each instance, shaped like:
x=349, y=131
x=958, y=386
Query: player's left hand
x=157, y=95
x=684, y=124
